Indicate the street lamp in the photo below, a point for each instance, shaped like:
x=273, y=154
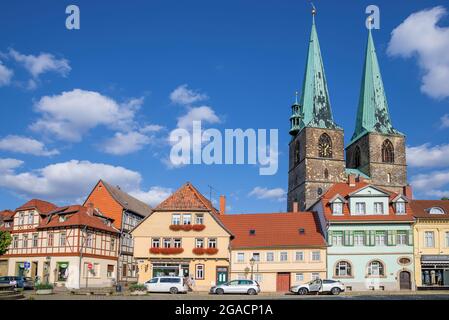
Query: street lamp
x=252, y=261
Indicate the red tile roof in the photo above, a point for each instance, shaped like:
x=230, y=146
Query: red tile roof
x=76, y=216
x=6, y=215
x=344, y=190
x=421, y=208
x=274, y=230
x=186, y=198
x=43, y=207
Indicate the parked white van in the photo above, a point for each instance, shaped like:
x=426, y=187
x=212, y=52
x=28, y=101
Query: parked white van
x=172, y=285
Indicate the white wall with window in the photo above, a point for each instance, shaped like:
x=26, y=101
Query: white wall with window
x=429, y=239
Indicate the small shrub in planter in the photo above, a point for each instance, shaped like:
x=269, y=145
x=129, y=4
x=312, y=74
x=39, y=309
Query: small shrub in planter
x=137, y=287
x=211, y=250
x=44, y=288
x=172, y=250
x=175, y=227
x=198, y=227
x=155, y=250
x=198, y=251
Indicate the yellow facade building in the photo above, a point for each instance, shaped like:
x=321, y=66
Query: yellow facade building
x=431, y=243
x=183, y=237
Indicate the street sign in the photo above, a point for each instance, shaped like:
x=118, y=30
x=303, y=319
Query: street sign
x=26, y=265
x=90, y=266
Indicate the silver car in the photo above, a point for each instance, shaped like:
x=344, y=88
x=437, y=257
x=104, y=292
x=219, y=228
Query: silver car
x=250, y=287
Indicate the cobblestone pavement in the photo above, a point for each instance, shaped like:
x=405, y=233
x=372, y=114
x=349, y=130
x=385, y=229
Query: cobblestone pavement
x=428, y=295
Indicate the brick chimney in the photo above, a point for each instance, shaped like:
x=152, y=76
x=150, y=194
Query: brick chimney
x=351, y=180
x=295, y=206
x=90, y=209
x=408, y=192
x=222, y=204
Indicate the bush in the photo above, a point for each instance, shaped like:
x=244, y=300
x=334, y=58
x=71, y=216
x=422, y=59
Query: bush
x=43, y=286
x=137, y=287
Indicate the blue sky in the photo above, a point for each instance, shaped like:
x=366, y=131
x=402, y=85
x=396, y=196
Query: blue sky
x=241, y=61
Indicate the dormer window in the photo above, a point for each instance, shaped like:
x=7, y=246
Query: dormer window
x=379, y=208
x=360, y=208
x=7, y=224
x=337, y=208
x=62, y=218
x=400, y=208
x=436, y=210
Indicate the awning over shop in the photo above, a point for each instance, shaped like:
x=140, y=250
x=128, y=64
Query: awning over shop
x=433, y=260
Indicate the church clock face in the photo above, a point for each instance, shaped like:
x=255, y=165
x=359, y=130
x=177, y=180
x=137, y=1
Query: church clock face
x=325, y=150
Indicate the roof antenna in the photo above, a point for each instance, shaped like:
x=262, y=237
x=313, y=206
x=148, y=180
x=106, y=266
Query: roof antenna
x=313, y=9
x=210, y=192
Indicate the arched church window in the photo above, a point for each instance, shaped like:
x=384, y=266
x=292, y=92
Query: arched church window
x=325, y=146
x=357, y=157
x=387, y=152
x=297, y=152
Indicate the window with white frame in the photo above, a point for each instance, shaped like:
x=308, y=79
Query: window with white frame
x=315, y=276
x=187, y=219
x=381, y=238
x=199, y=271
x=199, y=243
x=15, y=242
x=256, y=256
x=299, y=277
x=112, y=245
x=343, y=269
x=177, y=243
x=62, y=239
x=283, y=256
x=258, y=277
x=401, y=238
x=155, y=243
x=337, y=238
x=359, y=239
x=176, y=219
x=337, y=208
x=378, y=207
x=299, y=256
x=212, y=243
x=316, y=256
x=429, y=239
x=25, y=241
x=400, y=207
x=436, y=210
x=270, y=256
x=35, y=240
x=30, y=217
x=21, y=218
x=89, y=240
x=199, y=218
x=50, y=239
x=447, y=239
x=360, y=208
x=376, y=268
x=240, y=257
x=167, y=243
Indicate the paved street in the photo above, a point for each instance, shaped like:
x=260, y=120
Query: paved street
x=441, y=295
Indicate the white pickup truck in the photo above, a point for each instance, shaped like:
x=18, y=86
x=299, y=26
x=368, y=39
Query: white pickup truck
x=319, y=286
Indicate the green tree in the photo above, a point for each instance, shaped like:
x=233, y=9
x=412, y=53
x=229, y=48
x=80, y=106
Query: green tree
x=445, y=198
x=5, y=241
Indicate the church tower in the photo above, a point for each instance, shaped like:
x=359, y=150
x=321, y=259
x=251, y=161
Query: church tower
x=376, y=148
x=316, y=150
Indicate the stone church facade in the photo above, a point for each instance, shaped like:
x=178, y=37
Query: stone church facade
x=318, y=157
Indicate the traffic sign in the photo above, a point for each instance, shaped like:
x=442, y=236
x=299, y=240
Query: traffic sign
x=90, y=266
x=26, y=265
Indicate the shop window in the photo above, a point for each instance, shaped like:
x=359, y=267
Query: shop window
x=63, y=271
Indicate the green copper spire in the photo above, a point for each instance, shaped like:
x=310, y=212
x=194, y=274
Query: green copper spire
x=372, y=115
x=296, y=118
x=315, y=103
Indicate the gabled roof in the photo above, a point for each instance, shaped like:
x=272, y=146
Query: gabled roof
x=274, y=230
x=186, y=198
x=421, y=208
x=127, y=201
x=42, y=206
x=6, y=215
x=76, y=216
x=345, y=190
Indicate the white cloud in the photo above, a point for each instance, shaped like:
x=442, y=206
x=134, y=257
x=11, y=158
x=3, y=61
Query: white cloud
x=25, y=145
x=151, y=128
x=430, y=183
x=204, y=113
x=184, y=96
x=8, y=165
x=153, y=196
x=71, y=181
x=44, y=62
x=125, y=143
x=5, y=75
x=72, y=114
x=427, y=156
x=445, y=121
x=278, y=194
x=420, y=36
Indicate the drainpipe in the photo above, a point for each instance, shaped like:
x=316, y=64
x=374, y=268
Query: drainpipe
x=81, y=258
x=120, y=248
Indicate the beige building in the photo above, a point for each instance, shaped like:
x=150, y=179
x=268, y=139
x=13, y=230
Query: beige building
x=431, y=243
x=277, y=250
x=71, y=246
x=183, y=237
